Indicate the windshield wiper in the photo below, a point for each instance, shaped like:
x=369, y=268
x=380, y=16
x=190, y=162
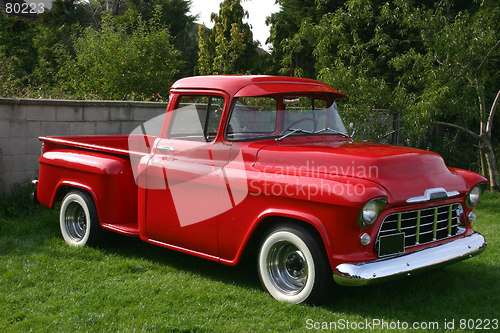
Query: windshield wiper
x=333, y=130
x=292, y=131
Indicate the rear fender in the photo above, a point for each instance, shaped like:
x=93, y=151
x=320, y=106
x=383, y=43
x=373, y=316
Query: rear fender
x=107, y=178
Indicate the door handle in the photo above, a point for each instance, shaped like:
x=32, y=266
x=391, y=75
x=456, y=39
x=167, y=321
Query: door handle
x=165, y=149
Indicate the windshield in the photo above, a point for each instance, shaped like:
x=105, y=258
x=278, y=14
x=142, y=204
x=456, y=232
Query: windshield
x=266, y=117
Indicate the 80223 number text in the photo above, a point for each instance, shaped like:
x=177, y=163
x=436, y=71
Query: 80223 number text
x=24, y=8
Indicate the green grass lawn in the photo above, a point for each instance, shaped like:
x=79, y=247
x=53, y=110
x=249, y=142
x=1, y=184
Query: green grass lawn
x=133, y=286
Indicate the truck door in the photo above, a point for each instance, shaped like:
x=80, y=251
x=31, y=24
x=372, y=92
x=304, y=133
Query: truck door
x=185, y=176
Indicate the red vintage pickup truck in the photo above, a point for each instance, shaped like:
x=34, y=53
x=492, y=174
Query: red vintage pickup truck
x=264, y=163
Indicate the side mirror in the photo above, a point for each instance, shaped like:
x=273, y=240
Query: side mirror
x=353, y=130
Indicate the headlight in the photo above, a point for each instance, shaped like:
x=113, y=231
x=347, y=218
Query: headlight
x=370, y=212
x=475, y=194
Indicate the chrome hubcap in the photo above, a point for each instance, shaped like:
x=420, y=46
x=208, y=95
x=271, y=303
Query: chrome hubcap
x=287, y=267
x=75, y=221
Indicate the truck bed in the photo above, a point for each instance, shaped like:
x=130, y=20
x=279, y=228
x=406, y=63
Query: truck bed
x=100, y=165
x=140, y=145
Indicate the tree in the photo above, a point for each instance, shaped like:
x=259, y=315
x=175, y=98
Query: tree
x=17, y=54
x=436, y=63
x=228, y=48
x=175, y=16
x=46, y=57
x=352, y=47
x=291, y=53
x=206, y=51
x=112, y=63
x=461, y=63
x=228, y=52
x=53, y=40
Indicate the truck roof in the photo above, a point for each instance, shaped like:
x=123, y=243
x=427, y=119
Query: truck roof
x=255, y=85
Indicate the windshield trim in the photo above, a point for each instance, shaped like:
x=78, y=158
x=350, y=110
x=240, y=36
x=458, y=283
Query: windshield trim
x=275, y=136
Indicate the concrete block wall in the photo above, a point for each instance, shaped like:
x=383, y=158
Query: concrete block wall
x=22, y=121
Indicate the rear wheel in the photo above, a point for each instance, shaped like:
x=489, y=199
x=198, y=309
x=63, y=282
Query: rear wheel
x=293, y=267
x=78, y=220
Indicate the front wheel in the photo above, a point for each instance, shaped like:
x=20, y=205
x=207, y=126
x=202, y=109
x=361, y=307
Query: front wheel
x=78, y=220
x=293, y=267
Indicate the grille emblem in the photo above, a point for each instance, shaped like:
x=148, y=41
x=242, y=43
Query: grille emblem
x=433, y=194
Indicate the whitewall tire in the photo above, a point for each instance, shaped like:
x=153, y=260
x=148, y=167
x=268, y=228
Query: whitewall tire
x=78, y=220
x=292, y=266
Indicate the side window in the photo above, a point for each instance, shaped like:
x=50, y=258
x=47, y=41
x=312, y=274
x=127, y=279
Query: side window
x=196, y=118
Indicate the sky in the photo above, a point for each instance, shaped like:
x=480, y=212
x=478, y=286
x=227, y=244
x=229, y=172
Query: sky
x=258, y=10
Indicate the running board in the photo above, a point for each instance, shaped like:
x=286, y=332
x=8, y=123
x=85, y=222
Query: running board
x=129, y=229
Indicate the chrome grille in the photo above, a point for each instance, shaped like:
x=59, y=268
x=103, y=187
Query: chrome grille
x=424, y=225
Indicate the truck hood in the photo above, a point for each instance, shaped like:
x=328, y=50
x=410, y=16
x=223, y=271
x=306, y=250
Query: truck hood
x=403, y=172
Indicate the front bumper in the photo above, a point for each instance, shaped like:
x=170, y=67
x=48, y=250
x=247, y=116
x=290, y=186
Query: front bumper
x=365, y=273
